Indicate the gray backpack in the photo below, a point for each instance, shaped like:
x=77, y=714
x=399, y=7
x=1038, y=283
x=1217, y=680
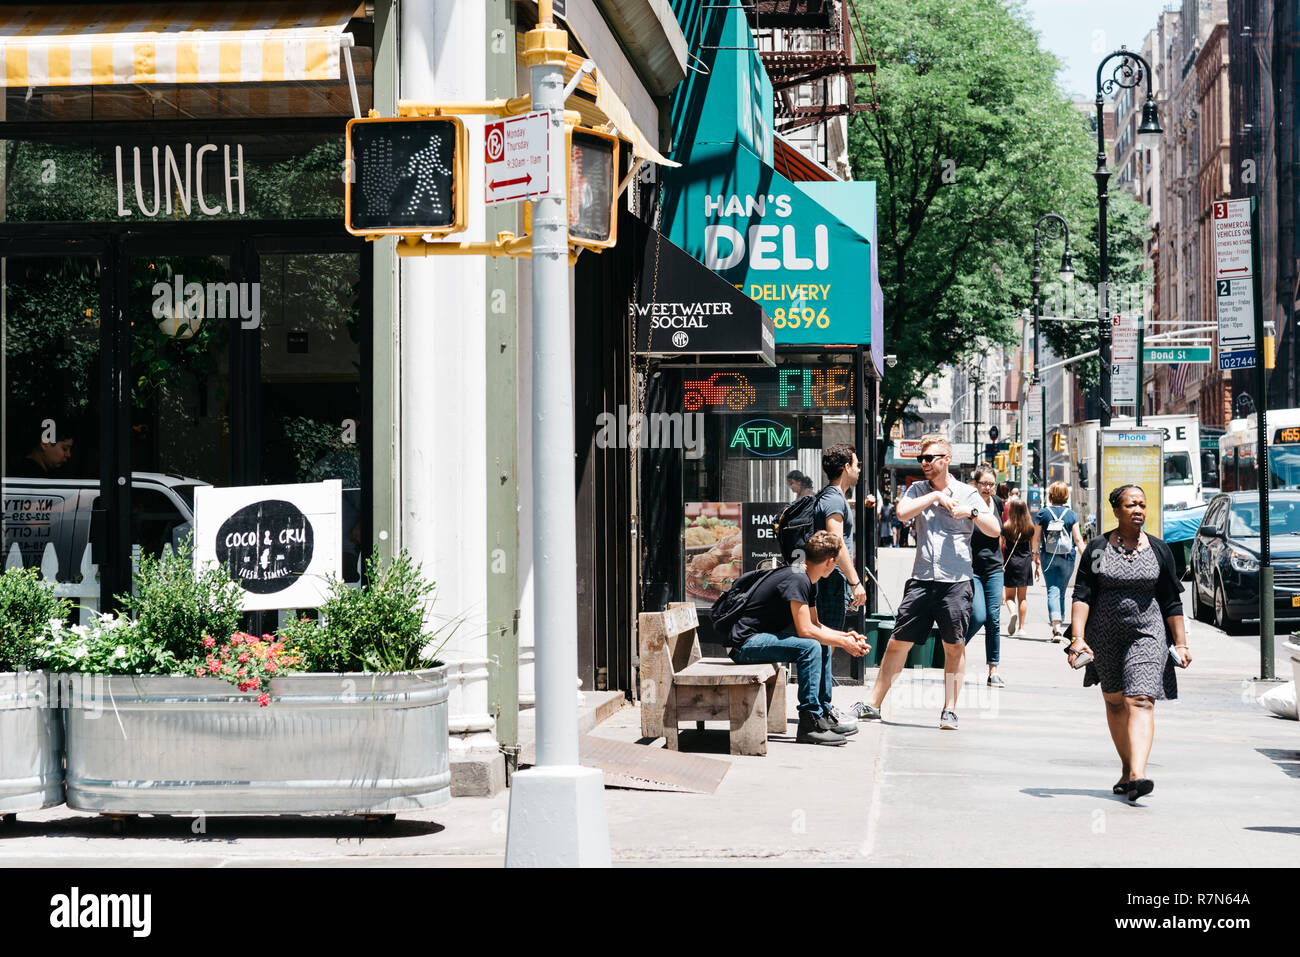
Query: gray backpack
x=1056, y=538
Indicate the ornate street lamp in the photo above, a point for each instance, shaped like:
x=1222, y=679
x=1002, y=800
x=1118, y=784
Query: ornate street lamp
x=1129, y=72
x=1051, y=226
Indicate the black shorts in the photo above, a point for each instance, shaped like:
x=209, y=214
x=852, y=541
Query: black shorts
x=926, y=603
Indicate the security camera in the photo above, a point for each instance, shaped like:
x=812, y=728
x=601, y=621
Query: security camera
x=891, y=360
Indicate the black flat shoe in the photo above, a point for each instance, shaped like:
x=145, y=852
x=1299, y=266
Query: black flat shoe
x=1140, y=787
x=1119, y=787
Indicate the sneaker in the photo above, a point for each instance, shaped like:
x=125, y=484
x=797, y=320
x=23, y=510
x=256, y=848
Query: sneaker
x=813, y=730
x=1013, y=624
x=995, y=681
x=1057, y=635
x=948, y=721
x=839, y=722
x=866, y=712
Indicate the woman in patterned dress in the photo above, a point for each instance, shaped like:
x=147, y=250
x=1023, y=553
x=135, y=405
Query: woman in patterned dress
x=1127, y=610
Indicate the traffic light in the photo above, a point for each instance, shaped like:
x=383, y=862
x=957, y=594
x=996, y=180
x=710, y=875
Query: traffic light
x=1000, y=462
x=405, y=175
x=1013, y=454
x=593, y=188
x=1058, y=442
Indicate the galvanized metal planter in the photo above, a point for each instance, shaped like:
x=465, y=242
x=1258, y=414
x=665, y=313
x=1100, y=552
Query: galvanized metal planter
x=31, y=742
x=344, y=743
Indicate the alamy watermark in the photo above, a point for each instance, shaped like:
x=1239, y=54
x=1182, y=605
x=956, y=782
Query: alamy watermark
x=182, y=306
x=657, y=430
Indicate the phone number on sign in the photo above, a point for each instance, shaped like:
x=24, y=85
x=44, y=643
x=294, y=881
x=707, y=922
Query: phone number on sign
x=797, y=318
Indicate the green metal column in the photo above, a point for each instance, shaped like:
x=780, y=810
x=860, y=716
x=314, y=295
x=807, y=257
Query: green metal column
x=501, y=396
x=386, y=434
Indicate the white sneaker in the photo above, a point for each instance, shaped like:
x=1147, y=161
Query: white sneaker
x=844, y=719
x=1013, y=624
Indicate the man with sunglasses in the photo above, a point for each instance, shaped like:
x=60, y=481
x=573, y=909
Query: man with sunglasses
x=940, y=590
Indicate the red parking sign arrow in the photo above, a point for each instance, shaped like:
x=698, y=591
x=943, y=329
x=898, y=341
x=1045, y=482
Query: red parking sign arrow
x=498, y=184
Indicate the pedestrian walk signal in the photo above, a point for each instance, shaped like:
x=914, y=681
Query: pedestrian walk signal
x=405, y=176
x=593, y=188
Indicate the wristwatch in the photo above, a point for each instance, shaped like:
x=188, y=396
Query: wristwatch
x=974, y=511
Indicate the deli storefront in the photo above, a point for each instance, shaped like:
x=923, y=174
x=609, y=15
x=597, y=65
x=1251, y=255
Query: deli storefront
x=804, y=253
x=179, y=303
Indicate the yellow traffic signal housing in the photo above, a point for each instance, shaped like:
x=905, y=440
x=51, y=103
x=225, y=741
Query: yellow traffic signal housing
x=593, y=188
x=1013, y=453
x=405, y=175
x=1000, y=462
x=1058, y=442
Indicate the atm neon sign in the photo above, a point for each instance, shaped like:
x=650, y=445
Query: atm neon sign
x=762, y=437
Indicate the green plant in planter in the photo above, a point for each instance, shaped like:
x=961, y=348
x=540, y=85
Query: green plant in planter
x=171, y=612
x=27, y=605
x=174, y=609
x=378, y=627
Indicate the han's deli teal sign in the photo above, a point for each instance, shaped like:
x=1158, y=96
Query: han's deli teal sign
x=808, y=270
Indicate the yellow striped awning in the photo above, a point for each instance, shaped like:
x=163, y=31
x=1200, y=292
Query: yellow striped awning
x=603, y=109
x=94, y=44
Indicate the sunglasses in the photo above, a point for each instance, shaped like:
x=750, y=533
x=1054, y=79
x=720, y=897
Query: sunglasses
x=927, y=459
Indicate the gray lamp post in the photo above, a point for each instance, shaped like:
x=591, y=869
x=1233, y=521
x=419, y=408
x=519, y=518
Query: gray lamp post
x=1051, y=226
x=1128, y=73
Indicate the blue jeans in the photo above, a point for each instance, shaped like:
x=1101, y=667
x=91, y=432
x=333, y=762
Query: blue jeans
x=812, y=657
x=986, y=612
x=1057, y=570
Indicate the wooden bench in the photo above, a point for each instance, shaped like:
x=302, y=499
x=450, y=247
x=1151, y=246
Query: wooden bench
x=679, y=684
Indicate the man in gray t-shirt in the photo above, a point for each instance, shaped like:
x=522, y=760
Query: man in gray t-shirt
x=942, y=539
x=940, y=590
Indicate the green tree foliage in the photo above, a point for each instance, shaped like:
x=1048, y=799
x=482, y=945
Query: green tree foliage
x=972, y=143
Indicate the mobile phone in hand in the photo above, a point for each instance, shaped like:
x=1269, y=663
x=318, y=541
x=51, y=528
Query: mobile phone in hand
x=1084, y=658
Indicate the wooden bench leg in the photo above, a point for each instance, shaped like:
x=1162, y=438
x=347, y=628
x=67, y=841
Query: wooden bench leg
x=776, y=713
x=670, y=718
x=748, y=707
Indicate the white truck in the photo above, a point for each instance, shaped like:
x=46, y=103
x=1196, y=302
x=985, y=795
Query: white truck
x=1182, y=465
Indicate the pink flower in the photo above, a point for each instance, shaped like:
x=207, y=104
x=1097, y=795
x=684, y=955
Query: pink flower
x=199, y=671
x=243, y=657
x=208, y=641
x=270, y=666
x=264, y=699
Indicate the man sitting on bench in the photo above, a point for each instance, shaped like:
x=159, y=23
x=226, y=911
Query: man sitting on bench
x=779, y=624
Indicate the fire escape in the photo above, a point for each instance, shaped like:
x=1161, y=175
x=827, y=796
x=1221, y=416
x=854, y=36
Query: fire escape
x=809, y=43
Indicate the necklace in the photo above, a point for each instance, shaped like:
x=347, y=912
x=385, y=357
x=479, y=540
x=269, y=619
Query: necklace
x=1118, y=544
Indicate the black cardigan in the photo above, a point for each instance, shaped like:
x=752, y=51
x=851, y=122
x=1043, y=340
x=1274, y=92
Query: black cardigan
x=1168, y=591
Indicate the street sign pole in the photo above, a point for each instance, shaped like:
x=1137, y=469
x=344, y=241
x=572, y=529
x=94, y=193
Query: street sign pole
x=557, y=809
x=1261, y=403
x=1142, y=323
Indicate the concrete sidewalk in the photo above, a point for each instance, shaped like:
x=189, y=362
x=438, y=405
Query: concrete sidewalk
x=1025, y=781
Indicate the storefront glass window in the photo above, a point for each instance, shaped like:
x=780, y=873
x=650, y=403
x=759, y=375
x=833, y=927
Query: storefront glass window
x=50, y=318
x=161, y=177
x=762, y=433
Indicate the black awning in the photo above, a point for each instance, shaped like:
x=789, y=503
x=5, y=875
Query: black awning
x=682, y=310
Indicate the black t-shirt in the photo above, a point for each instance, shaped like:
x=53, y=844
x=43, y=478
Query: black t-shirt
x=768, y=608
x=985, y=552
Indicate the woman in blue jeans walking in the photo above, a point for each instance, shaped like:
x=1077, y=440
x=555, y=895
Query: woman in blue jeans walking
x=1056, y=536
x=986, y=563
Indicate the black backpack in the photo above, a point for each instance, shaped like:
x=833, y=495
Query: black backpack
x=730, y=604
x=796, y=524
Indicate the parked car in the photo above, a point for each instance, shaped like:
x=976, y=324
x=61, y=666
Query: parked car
x=1225, y=559
x=60, y=512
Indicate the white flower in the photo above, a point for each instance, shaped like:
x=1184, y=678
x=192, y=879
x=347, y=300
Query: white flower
x=120, y=652
x=56, y=625
x=80, y=631
x=79, y=652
